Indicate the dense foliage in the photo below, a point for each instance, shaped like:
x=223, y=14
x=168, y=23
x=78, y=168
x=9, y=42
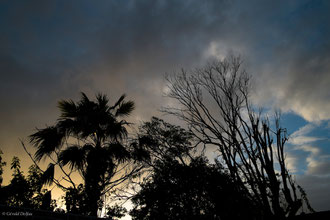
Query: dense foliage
x=194, y=191
x=26, y=191
x=2, y=164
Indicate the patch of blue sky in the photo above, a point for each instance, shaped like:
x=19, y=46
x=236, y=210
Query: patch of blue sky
x=315, y=136
x=292, y=122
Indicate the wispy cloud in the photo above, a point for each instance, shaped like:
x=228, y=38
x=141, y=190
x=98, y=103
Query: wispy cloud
x=300, y=140
x=302, y=137
x=317, y=162
x=315, y=177
x=291, y=163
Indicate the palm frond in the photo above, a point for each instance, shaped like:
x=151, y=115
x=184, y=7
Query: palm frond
x=74, y=156
x=67, y=126
x=68, y=108
x=117, y=151
x=122, y=97
x=48, y=176
x=102, y=101
x=84, y=98
x=125, y=108
x=139, y=153
x=116, y=130
x=47, y=140
x=87, y=148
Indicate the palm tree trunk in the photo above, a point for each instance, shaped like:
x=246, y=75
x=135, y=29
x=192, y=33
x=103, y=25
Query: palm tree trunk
x=92, y=187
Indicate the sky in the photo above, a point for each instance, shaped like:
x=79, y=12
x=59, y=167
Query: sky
x=53, y=50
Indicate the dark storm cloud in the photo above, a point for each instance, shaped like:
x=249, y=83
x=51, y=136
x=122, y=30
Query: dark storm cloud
x=295, y=70
x=57, y=36
x=107, y=46
x=54, y=49
x=65, y=47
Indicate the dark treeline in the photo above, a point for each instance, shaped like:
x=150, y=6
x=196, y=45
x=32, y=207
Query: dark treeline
x=26, y=191
x=162, y=168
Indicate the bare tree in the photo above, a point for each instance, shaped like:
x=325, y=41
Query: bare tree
x=215, y=104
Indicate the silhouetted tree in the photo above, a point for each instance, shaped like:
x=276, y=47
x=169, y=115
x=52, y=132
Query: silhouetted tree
x=88, y=137
x=194, y=191
x=116, y=212
x=41, y=198
x=2, y=164
x=19, y=187
x=158, y=140
x=2, y=193
x=27, y=191
x=74, y=199
x=179, y=185
x=18, y=190
x=215, y=104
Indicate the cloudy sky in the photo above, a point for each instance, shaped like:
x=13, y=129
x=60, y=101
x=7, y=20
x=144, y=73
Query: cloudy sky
x=52, y=50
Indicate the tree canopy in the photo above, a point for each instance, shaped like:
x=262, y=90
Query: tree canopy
x=26, y=191
x=89, y=138
x=182, y=184
x=2, y=164
x=194, y=191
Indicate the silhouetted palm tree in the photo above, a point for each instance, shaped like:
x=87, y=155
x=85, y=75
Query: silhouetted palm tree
x=87, y=137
